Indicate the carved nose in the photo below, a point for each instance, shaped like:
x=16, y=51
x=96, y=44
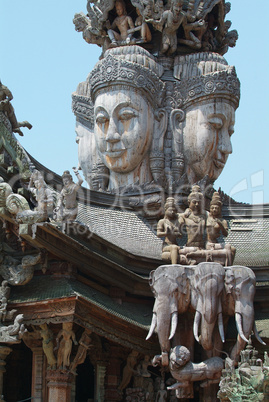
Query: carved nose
x=112, y=134
x=225, y=145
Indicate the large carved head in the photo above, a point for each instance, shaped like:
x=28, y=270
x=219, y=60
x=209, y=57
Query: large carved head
x=208, y=94
x=128, y=124
x=126, y=92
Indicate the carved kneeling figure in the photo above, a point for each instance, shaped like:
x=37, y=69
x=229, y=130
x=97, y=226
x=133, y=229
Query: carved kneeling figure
x=186, y=372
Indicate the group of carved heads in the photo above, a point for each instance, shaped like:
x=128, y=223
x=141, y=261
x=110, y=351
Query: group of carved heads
x=135, y=126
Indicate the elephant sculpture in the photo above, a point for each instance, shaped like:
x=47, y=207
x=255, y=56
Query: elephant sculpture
x=210, y=291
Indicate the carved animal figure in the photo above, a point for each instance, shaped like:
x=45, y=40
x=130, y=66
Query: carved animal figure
x=213, y=292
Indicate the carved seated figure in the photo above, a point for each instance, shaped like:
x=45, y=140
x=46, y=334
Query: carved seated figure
x=215, y=226
x=168, y=227
x=123, y=23
x=186, y=372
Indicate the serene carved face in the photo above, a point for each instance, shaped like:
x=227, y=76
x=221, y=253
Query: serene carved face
x=195, y=205
x=206, y=137
x=215, y=210
x=123, y=128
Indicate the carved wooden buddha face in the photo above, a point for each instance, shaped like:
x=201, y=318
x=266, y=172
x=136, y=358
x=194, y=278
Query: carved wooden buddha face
x=207, y=138
x=124, y=122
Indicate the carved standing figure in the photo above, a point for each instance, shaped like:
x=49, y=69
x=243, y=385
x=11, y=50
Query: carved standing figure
x=67, y=206
x=171, y=20
x=47, y=345
x=65, y=347
x=123, y=23
x=84, y=345
x=6, y=107
x=128, y=370
x=145, y=34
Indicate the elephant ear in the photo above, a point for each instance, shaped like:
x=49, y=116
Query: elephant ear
x=152, y=281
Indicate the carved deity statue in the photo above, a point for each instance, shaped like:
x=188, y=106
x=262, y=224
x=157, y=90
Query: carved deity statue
x=47, y=345
x=123, y=23
x=208, y=95
x=67, y=206
x=67, y=336
x=215, y=226
x=171, y=20
x=44, y=198
x=84, y=345
x=142, y=147
x=129, y=369
x=6, y=107
x=129, y=125
x=169, y=228
x=194, y=219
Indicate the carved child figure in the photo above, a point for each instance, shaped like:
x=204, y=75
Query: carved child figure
x=122, y=22
x=67, y=206
x=65, y=347
x=169, y=228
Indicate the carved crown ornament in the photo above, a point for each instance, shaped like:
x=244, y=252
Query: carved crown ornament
x=116, y=71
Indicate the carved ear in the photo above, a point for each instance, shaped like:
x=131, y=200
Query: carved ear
x=177, y=116
x=161, y=121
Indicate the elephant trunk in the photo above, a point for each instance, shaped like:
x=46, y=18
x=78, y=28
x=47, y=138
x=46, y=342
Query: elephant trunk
x=208, y=321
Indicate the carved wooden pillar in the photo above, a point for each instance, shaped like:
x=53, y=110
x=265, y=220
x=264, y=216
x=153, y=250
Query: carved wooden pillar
x=4, y=352
x=100, y=382
x=37, y=374
x=113, y=375
x=59, y=385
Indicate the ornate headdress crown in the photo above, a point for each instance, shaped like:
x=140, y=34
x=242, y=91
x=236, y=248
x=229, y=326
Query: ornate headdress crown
x=132, y=66
x=203, y=75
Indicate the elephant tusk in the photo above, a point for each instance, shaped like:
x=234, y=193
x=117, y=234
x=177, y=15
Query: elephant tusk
x=257, y=335
x=221, y=327
x=238, y=321
x=173, y=325
x=196, y=323
x=153, y=326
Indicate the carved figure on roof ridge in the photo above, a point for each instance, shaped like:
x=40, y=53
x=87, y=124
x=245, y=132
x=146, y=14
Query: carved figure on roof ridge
x=67, y=205
x=44, y=197
x=7, y=108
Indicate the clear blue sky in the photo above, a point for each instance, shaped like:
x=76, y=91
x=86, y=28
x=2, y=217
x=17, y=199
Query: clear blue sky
x=43, y=59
